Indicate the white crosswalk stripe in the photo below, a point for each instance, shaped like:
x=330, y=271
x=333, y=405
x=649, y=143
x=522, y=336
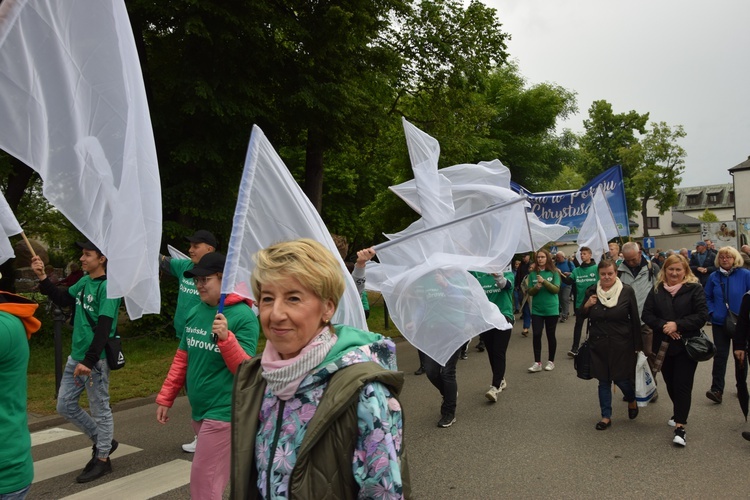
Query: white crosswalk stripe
x=69, y=462
x=141, y=485
x=51, y=435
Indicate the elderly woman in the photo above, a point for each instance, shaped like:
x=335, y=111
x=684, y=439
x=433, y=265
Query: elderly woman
x=211, y=348
x=614, y=336
x=674, y=309
x=724, y=288
x=317, y=416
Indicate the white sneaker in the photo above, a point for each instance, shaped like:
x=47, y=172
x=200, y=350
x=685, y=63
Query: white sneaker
x=671, y=422
x=491, y=394
x=503, y=385
x=550, y=366
x=190, y=447
x=536, y=367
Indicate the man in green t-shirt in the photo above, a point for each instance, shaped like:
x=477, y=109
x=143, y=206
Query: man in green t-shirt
x=95, y=322
x=584, y=276
x=17, y=323
x=201, y=243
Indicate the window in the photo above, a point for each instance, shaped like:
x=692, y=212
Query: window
x=713, y=198
x=652, y=222
x=693, y=199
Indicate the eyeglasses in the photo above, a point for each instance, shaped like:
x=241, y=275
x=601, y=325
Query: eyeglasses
x=201, y=280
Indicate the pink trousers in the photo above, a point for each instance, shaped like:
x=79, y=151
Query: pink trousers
x=209, y=474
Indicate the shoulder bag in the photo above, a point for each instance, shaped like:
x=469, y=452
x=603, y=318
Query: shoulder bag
x=700, y=348
x=582, y=359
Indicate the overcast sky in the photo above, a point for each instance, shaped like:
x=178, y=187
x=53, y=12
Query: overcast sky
x=685, y=62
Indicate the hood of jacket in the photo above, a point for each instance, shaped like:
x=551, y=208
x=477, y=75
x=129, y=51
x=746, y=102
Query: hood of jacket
x=23, y=309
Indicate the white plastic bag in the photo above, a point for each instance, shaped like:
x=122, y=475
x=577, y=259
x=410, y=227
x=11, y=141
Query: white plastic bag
x=645, y=385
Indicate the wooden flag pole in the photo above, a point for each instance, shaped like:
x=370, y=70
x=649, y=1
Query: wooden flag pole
x=28, y=244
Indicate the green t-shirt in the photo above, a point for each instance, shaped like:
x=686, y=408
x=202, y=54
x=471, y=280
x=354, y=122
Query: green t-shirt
x=187, y=296
x=585, y=276
x=16, y=466
x=502, y=298
x=91, y=298
x=208, y=377
x=545, y=303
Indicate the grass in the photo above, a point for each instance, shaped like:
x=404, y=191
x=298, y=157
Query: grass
x=148, y=360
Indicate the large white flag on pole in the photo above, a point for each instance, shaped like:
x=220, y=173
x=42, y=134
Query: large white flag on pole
x=9, y=226
x=598, y=228
x=74, y=109
x=271, y=208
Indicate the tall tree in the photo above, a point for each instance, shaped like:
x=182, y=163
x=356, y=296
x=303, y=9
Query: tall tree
x=655, y=164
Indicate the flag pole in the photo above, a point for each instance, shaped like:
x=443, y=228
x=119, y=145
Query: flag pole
x=220, y=311
x=28, y=244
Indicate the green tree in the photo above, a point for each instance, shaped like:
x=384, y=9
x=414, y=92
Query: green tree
x=708, y=216
x=655, y=164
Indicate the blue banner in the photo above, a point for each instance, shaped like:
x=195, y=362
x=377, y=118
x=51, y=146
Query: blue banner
x=570, y=207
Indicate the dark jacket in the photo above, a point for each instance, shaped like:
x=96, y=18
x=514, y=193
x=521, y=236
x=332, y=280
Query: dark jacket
x=742, y=334
x=614, y=336
x=687, y=308
x=709, y=263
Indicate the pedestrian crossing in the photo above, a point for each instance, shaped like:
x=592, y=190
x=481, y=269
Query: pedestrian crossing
x=143, y=484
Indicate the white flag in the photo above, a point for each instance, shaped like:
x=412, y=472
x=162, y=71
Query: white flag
x=598, y=228
x=10, y=227
x=74, y=109
x=271, y=208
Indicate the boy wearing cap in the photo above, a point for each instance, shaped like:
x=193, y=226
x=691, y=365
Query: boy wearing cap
x=201, y=243
x=86, y=368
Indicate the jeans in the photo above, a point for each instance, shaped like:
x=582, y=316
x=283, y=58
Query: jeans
x=526, y=312
x=444, y=379
x=99, y=426
x=679, y=372
x=496, y=342
x=16, y=495
x=723, y=342
x=548, y=323
x=564, y=301
x=209, y=474
x=605, y=394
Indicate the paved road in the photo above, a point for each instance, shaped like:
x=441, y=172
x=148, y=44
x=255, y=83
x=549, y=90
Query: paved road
x=537, y=441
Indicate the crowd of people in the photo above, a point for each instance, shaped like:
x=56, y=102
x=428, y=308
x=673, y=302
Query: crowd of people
x=273, y=425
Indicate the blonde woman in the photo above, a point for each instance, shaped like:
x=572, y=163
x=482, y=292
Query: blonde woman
x=674, y=309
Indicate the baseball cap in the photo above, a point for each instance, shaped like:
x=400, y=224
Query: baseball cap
x=203, y=236
x=211, y=263
x=87, y=245
x=701, y=244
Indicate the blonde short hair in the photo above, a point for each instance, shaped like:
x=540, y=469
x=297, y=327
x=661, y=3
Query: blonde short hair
x=672, y=260
x=738, y=260
x=306, y=260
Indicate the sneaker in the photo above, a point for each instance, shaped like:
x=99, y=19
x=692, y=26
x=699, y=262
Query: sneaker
x=93, y=460
x=572, y=353
x=480, y=346
x=536, y=367
x=549, y=367
x=492, y=393
x=464, y=355
x=562, y=319
x=190, y=447
x=671, y=422
x=679, y=436
x=446, y=420
x=715, y=396
x=503, y=385
x=99, y=469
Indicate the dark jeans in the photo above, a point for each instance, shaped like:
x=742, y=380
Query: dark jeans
x=605, y=394
x=678, y=372
x=723, y=342
x=444, y=379
x=496, y=342
x=548, y=323
x=580, y=320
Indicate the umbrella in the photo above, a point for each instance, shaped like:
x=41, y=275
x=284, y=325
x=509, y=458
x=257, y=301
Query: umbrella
x=740, y=374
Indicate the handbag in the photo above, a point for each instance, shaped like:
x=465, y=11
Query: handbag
x=113, y=352
x=645, y=385
x=700, y=347
x=582, y=359
x=730, y=323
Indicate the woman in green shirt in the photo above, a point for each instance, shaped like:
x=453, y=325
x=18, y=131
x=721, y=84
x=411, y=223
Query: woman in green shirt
x=544, y=286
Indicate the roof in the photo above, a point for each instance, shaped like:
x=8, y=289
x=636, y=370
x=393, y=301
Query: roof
x=680, y=219
x=745, y=165
x=723, y=197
